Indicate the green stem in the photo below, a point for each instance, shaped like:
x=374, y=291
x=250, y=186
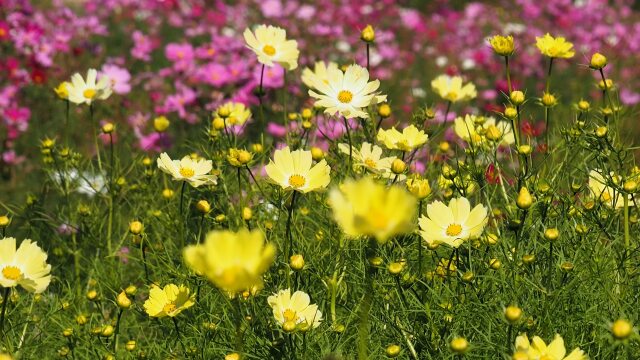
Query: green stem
x=548, y=85
x=606, y=90
x=5, y=301
x=117, y=331
x=346, y=126
x=368, y=62
x=182, y=216
x=260, y=95
x=288, y=227
x=627, y=240
x=175, y=325
x=95, y=138
x=365, y=305
x=111, y=174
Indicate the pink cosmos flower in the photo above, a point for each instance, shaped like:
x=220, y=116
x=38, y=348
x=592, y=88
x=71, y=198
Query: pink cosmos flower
x=119, y=77
x=142, y=46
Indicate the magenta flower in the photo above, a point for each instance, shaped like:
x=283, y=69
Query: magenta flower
x=142, y=46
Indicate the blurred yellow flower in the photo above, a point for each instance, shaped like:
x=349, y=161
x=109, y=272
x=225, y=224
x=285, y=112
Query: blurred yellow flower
x=490, y=129
x=195, y=172
x=319, y=74
x=451, y=88
x=27, y=266
x=369, y=157
x=366, y=208
x=348, y=93
x=537, y=349
x=170, y=301
x=85, y=92
x=234, y=113
x=233, y=261
x=502, y=45
x=294, y=311
x=453, y=224
x=420, y=188
x=292, y=171
x=603, y=192
x=62, y=90
x=554, y=47
x=239, y=157
x=409, y=139
x=271, y=46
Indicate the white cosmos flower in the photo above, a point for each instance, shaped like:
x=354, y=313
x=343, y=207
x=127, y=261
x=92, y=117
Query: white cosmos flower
x=83, y=91
x=348, y=93
x=271, y=46
x=195, y=172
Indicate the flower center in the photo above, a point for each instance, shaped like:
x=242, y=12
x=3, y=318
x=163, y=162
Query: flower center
x=186, y=172
x=11, y=273
x=452, y=95
x=89, y=93
x=454, y=230
x=547, y=357
x=289, y=315
x=370, y=163
x=345, y=96
x=269, y=50
x=297, y=181
x=606, y=196
x=169, y=308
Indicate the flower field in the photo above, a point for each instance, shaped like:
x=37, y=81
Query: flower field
x=270, y=179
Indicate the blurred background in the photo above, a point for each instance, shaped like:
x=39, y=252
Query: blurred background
x=183, y=58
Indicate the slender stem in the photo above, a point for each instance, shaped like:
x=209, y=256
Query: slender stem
x=550, y=266
x=239, y=320
x=5, y=301
x=115, y=334
x=606, y=90
x=346, y=126
x=260, y=95
x=368, y=61
x=626, y=224
x=506, y=63
x=548, y=85
x=175, y=325
x=182, y=216
x=419, y=243
x=365, y=305
x=144, y=259
x=288, y=228
x=95, y=137
x=509, y=335
x=111, y=190
x=66, y=124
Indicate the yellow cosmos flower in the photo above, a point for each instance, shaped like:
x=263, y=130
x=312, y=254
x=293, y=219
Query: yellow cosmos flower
x=409, y=139
x=467, y=129
x=453, y=224
x=451, y=88
x=292, y=171
x=62, y=90
x=195, y=172
x=170, y=301
x=348, y=93
x=234, y=262
x=294, y=311
x=319, y=74
x=603, y=192
x=554, y=47
x=538, y=350
x=502, y=45
x=271, y=46
x=367, y=208
x=85, y=92
x=369, y=157
x=27, y=266
x=234, y=113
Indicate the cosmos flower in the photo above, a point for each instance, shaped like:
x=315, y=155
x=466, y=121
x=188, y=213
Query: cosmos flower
x=168, y=301
x=294, y=311
x=271, y=46
x=453, y=224
x=195, y=172
x=292, y=170
x=348, y=93
x=366, y=208
x=25, y=266
x=83, y=91
x=452, y=89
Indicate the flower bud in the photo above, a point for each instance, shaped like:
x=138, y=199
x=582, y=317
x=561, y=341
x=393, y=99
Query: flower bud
x=395, y=268
x=524, y=200
x=551, y=234
x=384, y=110
x=502, y=45
x=136, y=227
x=621, y=329
x=107, y=331
x=123, y=301
x=398, y=166
x=584, y=105
x=601, y=131
x=512, y=314
x=81, y=319
x=4, y=221
x=459, y=345
x=368, y=34
x=495, y=264
x=131, y=290
x=510, y=112
x=247, y=213
x=167, y=193
x=108, y=128
x=224, y=111
x=257, y=148
x=92, y=295
x=630, y=186
x=289, y=326
x=218, y=123
x=203, y=207
x=444, y=146
x=598, y=61
x=393, y=350
x=296, y=262
x=420, y=188
x=549, y=100
x=493, y=133
x=517, y=97
x=130, y=345
x=605, y=85
x=66, y=333
x=317, y=154
x=306, y=113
